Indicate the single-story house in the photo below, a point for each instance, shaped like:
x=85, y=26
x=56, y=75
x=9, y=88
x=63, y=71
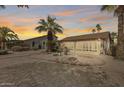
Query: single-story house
x=95, y=43
x=37, y=42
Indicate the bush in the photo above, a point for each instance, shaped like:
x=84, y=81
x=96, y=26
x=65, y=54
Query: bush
x=25, y=48
x=19, y=48
x=35, y=48
x=3, y=52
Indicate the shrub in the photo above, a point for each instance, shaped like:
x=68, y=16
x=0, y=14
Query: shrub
x=3, y=52
x=35, y=48
x=19, y=48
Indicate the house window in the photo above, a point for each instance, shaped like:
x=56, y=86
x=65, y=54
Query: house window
x=44, y=44
x=86, y=47
x=33, y=44
x=95, y=46
x=39, y=46
x=90, y=47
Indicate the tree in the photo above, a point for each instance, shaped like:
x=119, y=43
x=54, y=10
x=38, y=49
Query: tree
x=113, y=35
x=51, y=27
x=19, y=6
x=109, y=8
x=93, y=30
x=6, y=34
x=98, y=27
x=2, y=6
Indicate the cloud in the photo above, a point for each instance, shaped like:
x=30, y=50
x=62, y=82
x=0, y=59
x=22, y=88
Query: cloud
x=25, y=20
x=67, y=12
x=74, y=32
x=95, y=18
x=101, y=18
x=78, y=30
x=5, y=21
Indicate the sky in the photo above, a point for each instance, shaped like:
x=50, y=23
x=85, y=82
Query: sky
x=75, y=19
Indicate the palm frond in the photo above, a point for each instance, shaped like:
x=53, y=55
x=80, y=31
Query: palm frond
x=7, y=34
x=110, y=8
x=41, y=29
x=49, y=25
x=22, y=6
x=2, y=6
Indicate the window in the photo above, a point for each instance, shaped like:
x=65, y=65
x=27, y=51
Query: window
x=90, y=47
x=95, y=46
x=44, y=44
x=86, y=46
x=33, y=44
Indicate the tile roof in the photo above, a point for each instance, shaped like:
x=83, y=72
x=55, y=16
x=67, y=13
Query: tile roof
x=101, y=35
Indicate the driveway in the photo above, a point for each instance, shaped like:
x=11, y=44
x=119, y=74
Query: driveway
x=37, y=68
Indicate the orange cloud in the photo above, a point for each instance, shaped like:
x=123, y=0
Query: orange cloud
x=95, y=18
x=74, y=32
x=5, y=21
x=67, y=13
x=25, y=20
x=78, y=30
x=100, y=18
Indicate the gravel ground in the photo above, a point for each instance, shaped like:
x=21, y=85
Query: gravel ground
x=37, y=68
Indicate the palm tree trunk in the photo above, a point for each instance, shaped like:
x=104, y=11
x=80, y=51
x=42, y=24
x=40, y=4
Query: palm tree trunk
x=2, y=45
x=50, y=40
x=5, y=45
x=49, y=46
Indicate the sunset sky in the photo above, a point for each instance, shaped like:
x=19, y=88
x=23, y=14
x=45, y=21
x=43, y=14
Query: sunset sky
x=76, y=20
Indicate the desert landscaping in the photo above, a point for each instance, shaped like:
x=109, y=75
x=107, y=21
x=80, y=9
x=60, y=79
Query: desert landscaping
x=37, y=68
x=84, y=49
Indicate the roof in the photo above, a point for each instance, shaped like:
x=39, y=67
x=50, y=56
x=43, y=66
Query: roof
x=37, y=37
x=101, y=35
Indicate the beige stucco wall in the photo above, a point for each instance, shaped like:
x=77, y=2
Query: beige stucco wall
x=87, y=47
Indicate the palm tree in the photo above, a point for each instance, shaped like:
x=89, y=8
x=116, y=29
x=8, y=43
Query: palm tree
x=93, y=30
x=2, y=6
x=6, y=34
x=113, y=35
x=110, y=8
x=19, y=6
x=98, y=27
x=51, y=27
x=119, y=12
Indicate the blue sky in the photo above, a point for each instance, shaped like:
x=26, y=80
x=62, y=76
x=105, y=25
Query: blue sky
x=75, y=19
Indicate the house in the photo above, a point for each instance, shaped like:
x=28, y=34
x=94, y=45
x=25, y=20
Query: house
x=37, y=42
x=120, y=43
x=96, y=43
x=13, y=43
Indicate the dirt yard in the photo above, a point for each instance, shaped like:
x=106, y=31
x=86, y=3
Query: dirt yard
x=37, y=68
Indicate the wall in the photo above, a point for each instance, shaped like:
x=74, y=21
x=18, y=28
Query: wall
x=84, y=47
x=38, y=42
x=89, y=47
